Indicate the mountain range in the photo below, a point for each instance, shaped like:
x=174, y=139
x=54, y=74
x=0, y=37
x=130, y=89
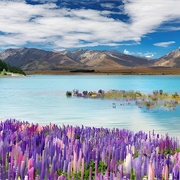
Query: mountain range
x=171, y=59
x=30, y=59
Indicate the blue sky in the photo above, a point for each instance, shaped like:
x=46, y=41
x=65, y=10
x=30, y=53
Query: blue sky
x=148, y=28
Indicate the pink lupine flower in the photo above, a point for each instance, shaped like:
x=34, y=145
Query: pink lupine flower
x=82, y=170
x=75, y=162
x=166, y=173
x=31, y=173
x=128, y=164
x=106, y=176
x=151, y=172
x=30, y=163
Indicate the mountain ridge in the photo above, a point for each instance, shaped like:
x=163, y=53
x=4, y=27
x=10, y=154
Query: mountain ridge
x=36, y=59
x=172, y=59
x=30, y=59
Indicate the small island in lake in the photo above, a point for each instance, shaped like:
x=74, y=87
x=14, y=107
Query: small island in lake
x=157, y=99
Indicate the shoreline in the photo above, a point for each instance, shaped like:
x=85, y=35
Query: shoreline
x=12, y=75
x=120, y=71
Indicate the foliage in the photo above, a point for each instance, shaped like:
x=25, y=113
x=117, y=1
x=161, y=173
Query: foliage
x=5, y=67
x=3, y=72
x=132, y=175
x=158, y=98
x=175, y=95
x=101, y=168
x=68, y=93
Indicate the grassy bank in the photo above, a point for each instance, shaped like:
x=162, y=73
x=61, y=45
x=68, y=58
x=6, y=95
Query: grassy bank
x=9, y=74
x=123, y=71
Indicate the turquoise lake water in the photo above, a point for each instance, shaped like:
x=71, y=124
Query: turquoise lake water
x=41, y=99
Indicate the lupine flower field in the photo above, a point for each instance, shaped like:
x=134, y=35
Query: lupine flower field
x=31, y=151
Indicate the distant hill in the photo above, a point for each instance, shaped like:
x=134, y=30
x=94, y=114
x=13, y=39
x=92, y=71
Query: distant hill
x=171, y=59
x=35, y=59
x=30, y=59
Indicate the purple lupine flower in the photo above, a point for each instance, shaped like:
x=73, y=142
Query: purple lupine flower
x=31, y=151
x=176, y=171
x=137, y=167
x=82, y=170
x=69, y=170
x=100, y=91
x=79, y=95
x=62, y=177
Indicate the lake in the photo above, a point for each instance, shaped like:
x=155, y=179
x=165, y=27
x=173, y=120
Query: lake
x=41, y=99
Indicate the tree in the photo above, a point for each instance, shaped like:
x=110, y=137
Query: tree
x=3, y=72
x=7, y=67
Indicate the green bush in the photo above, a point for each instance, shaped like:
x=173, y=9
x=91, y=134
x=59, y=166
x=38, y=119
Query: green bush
x=8, y=68
x=3, y=72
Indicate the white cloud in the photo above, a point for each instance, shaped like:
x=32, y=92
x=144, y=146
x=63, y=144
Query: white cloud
x=59, y=27
x=48, y=25
x=147, y=15
x=164, y=44
x=148, y=55
x=45, y=1
x=13, y=0
x=129, y=44
x=127, y=52
x=108, y=5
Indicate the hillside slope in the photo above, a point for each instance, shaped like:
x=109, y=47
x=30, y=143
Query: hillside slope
x=30, y=59
x=171, y=59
